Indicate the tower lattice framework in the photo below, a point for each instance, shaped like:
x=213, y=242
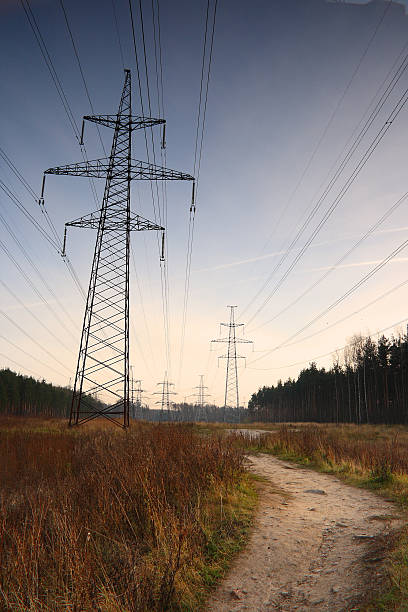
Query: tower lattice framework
x=165, y=393
x=102, y=386
x=201, y=396
x=231, y=397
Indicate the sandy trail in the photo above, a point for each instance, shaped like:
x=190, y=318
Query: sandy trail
x=318, y=544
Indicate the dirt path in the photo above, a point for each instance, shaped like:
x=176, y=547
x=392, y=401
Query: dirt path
x=318, y=544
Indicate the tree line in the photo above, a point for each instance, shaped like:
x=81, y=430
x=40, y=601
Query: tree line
x=25, y=396
x=186, y=412
x=369, y=385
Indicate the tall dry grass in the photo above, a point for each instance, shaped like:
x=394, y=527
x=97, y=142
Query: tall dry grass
x=351, y=448
x=108, y=520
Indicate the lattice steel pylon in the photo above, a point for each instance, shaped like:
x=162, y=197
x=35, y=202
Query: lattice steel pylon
x=103, y=361
x=135, y=394
x=231, y=377
x=165, y=395
x=201, y=395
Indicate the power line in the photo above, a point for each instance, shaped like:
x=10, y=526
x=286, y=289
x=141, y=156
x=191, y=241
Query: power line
x=369, y=232
x=346, y=186
x=357, y=140
x=39, y=321
x=346, y=317
x=58, y=245
x=163, y=263
x=192, y=208
x=8, y=359
x=330, y=352
x=157, y=215
x=81, y=70
x=34, y=357
x=28, y=216
x=160, y=102
x=206, y=94
x=202, y=111
x=57, y=82
x=158, y=59
x=328, y=124
x=115, y=17
x=201, y=88
x=33, y=287
x=345, y=295
x=142, y=306
x=352, y=314
x=48, y=61
x=27, y=335
x=36, y=269
x=84, y=81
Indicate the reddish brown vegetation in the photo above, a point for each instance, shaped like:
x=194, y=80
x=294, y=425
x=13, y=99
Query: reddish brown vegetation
x=98, y=520
x=377, y=451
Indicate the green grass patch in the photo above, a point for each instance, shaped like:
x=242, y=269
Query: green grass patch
x=223, y=540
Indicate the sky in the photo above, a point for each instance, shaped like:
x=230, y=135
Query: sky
x=292, y=84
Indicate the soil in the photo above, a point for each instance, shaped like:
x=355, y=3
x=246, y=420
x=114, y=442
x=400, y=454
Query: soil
x=317, y=544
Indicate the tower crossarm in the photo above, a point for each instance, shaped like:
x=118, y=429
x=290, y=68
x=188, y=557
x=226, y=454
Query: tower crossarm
x=237, y=340
x=136, y=123
x=232, y=324
x=137, y=223
x=102, y=168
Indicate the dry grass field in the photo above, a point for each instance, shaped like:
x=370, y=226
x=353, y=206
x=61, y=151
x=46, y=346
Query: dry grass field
x=98, y=519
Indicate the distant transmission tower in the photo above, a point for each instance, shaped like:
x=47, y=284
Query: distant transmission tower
x=165, y=395
x=231, y=378
x=201, y=396
x=139, y=391
x=135, y=394
x=103, y=362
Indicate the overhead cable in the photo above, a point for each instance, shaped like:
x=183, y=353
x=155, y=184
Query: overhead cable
x=350, y=152
x=339, y=300
x=344, y=189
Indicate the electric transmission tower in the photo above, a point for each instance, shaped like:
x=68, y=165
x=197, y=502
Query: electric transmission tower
x=135, y=395
x=201, y=396
x=165, y=395
x=231, y=377
x=139, y=391
x=103, y=361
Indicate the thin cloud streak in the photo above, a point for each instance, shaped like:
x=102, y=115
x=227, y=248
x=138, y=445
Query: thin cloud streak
x=242, y=262
x=356, y=264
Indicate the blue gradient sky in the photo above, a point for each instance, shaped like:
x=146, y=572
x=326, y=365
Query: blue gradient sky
x=280, y=69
